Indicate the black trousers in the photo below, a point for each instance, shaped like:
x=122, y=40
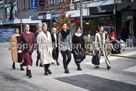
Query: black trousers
x=38, y=55
x=66, y=58
x=55, y=53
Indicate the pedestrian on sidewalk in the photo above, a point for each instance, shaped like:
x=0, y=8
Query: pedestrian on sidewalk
x=45, y=48
x=39, y=29
x=65, y=45
x=15, y=51
x=100, y=46
x=28, y=41
x=55, y=52
x=78, y=47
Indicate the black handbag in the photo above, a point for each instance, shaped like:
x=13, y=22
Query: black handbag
x=96, y=58
x=79, y=54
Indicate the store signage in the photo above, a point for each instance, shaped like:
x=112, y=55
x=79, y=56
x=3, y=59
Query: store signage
x=8, y=22
x=5, y=34
x=41, y=17
x=55, y=16
x=100, y=10
x=34, y=4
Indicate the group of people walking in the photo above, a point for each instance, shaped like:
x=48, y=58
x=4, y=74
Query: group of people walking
x=48, y=45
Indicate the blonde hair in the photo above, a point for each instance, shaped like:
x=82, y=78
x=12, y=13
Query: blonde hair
x=54, y=28
x=26, y=25
x=44, y=24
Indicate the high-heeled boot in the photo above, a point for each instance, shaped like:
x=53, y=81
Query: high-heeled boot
x=21, y=67
x=45, y=69
x=48, y=70
x=13, y=66
x=29, y=74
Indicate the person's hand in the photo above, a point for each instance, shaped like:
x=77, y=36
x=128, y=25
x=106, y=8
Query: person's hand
x=70, y=50
x=39, y=52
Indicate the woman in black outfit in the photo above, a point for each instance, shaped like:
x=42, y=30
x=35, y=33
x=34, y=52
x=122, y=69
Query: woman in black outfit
x=78, y=47
x=55, y=52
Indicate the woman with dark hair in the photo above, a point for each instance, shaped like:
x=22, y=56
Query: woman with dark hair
x=55, y=52
x=78, y=47
x=65, y=45
x=28, y=40
x=100, y=46
x=16, y=53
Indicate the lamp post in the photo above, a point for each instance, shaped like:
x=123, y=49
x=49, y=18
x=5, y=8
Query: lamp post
x=81, y=15
x=114, y=12
x=21, y=17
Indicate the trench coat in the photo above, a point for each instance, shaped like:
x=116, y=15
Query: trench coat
x=45, y=47
x=13, y=48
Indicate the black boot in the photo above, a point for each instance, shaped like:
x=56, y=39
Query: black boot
x=66, y=70
x=78, y=65
x=45, y=69
x=37, y=63
x=65, y=67
x=41, y=65
x=108, y=67
x=79, y=68
x=48, y=69
x=13, y=66
x=57, y=62
x=96, y=66
x=29, y=74
x=21, y=67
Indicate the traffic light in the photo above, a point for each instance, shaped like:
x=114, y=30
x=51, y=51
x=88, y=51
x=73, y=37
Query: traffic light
x=41, y=2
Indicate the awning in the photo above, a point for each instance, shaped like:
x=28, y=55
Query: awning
x=100, y=3
x=102, y=9
x=17, y=21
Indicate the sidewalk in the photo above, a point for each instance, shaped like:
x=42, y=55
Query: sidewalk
x=85, y=80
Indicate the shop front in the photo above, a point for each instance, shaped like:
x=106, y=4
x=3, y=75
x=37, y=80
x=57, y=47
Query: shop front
x=128, y=21
x=101, y=15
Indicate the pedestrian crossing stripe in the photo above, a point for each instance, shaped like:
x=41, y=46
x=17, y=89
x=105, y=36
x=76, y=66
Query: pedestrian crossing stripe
x=134, y=57
x=123, y=58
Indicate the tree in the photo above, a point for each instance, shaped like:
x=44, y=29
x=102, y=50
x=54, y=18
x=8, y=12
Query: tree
x=64, y=19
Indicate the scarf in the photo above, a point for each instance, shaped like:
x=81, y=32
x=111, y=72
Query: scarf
x=64, y=33
x=45, y=32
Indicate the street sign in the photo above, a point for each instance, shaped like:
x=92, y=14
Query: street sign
x=34, y=4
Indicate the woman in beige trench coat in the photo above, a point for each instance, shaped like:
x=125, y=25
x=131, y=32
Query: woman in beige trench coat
x=15, y=53
x=45, y=48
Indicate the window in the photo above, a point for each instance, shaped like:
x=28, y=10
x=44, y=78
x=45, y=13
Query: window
x=51, y=1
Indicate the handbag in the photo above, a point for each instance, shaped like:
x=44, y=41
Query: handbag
x=96, y=58
x=79, y=53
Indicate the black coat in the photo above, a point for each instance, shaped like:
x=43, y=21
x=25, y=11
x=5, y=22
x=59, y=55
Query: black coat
x=55, y=52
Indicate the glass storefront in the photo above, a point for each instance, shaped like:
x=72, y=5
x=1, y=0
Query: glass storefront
x=128, y=24
x=91, y=24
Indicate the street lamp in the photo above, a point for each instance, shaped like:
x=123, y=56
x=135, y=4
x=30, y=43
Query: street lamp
x=81, y=15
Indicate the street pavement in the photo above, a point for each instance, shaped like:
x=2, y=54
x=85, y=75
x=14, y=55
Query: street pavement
x=121, y=77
